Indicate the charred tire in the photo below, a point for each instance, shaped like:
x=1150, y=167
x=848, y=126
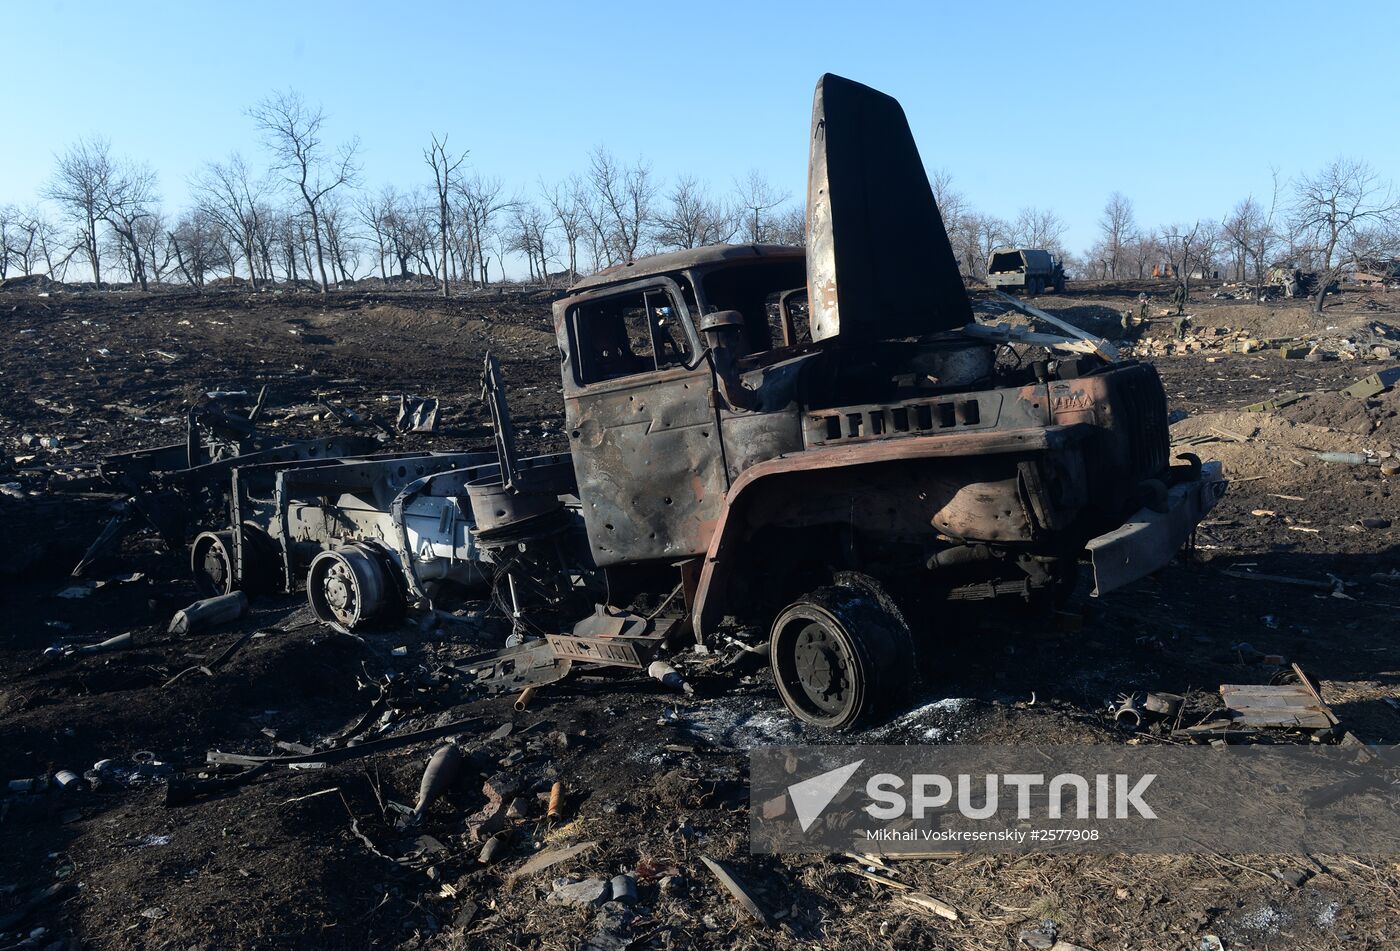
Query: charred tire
x=211, y=563
x=840, y=659
x=350, y=588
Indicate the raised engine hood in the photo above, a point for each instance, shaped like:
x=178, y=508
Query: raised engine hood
x=879, y=264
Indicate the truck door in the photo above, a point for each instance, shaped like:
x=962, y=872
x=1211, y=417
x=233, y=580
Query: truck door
x=639, y=408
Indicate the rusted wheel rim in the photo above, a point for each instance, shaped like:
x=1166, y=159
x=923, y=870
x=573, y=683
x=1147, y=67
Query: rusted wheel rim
x=821, y=675
x=211, y=563
x=346, y=587
x=823, y=667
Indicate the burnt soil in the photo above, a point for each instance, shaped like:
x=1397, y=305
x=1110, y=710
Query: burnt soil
x=655, y=779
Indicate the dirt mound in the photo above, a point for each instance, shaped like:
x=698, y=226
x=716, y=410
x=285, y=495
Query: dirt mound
x=1269, y=433
x=31, y=284
x=1378, y=417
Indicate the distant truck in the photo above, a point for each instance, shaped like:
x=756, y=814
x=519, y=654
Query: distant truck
x=1031, y=269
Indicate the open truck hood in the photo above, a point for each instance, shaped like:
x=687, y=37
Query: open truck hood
x=879, y=263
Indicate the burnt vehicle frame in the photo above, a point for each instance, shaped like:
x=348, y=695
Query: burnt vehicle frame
x=822, y=442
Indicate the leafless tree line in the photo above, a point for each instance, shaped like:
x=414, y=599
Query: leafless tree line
x=1344, y=215
x=304, y=215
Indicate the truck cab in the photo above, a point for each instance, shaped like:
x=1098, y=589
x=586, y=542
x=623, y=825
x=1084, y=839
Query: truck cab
x=709, y=431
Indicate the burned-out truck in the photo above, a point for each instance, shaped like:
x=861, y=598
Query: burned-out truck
x=1029, y=269
x=818, y=447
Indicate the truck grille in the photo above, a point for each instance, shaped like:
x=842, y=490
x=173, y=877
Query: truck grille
x=1142, y=406
x=876, y=421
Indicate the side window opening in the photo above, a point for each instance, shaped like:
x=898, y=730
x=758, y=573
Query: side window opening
x=757, y=291
x=628, y=334
x=787, y=317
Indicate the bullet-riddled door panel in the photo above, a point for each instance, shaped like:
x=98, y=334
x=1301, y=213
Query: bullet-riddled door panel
x=642, y=429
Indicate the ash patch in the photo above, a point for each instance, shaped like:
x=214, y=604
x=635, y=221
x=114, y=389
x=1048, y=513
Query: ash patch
x=941, y=721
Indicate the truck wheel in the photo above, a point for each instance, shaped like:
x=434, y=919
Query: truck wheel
x=349, y=588
x=840, y=659
x=211, y=563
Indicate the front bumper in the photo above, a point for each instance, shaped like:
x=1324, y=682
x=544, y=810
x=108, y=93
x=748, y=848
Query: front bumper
x=1149, y=539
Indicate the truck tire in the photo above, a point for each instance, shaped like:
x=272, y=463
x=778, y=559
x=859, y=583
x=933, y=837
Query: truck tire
x=840, y=659
x=211, y=563
x=350, y=588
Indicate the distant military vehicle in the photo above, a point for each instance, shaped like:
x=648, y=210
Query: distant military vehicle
x=1295, y=282
x=1031, y=269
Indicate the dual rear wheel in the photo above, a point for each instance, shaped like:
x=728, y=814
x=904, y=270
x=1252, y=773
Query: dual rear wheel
x=351, y=587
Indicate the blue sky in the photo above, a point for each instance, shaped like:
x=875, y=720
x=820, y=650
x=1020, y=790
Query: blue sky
x=1184, y=106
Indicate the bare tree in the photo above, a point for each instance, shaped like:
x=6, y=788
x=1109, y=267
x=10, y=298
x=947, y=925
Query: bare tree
x=9, y=238
x=127, y=198
x=376, y=213
x=292, y=130
x=77, y=187
x=566, y=201
x=1116, y=226
x=231, y=195
x=1182, y=245
x=39, y=240
x=758, y=198
x=690, y=218
x=625, y=193
x=951, y=203
x=1142, y=250
x=1331, y=208
x=194, y=242
x=287, y=231
x=338, y=225
x=152, y=236
x=481, y=201
x=444, y=165
x=1252, y=236
x=974, y=236
x=790, y=227
x=528, y=235
x=1039, y=228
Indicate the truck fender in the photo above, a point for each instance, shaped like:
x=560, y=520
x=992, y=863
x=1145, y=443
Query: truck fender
x=758, y=482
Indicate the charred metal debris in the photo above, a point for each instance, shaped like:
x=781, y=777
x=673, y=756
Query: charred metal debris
x=813, y=450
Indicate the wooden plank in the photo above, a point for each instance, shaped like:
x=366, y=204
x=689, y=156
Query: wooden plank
x=1316, y=721
x=1285, y=705
x=1308, y=685
x=736, y=888
x=1102, y=347
x=550, y=857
